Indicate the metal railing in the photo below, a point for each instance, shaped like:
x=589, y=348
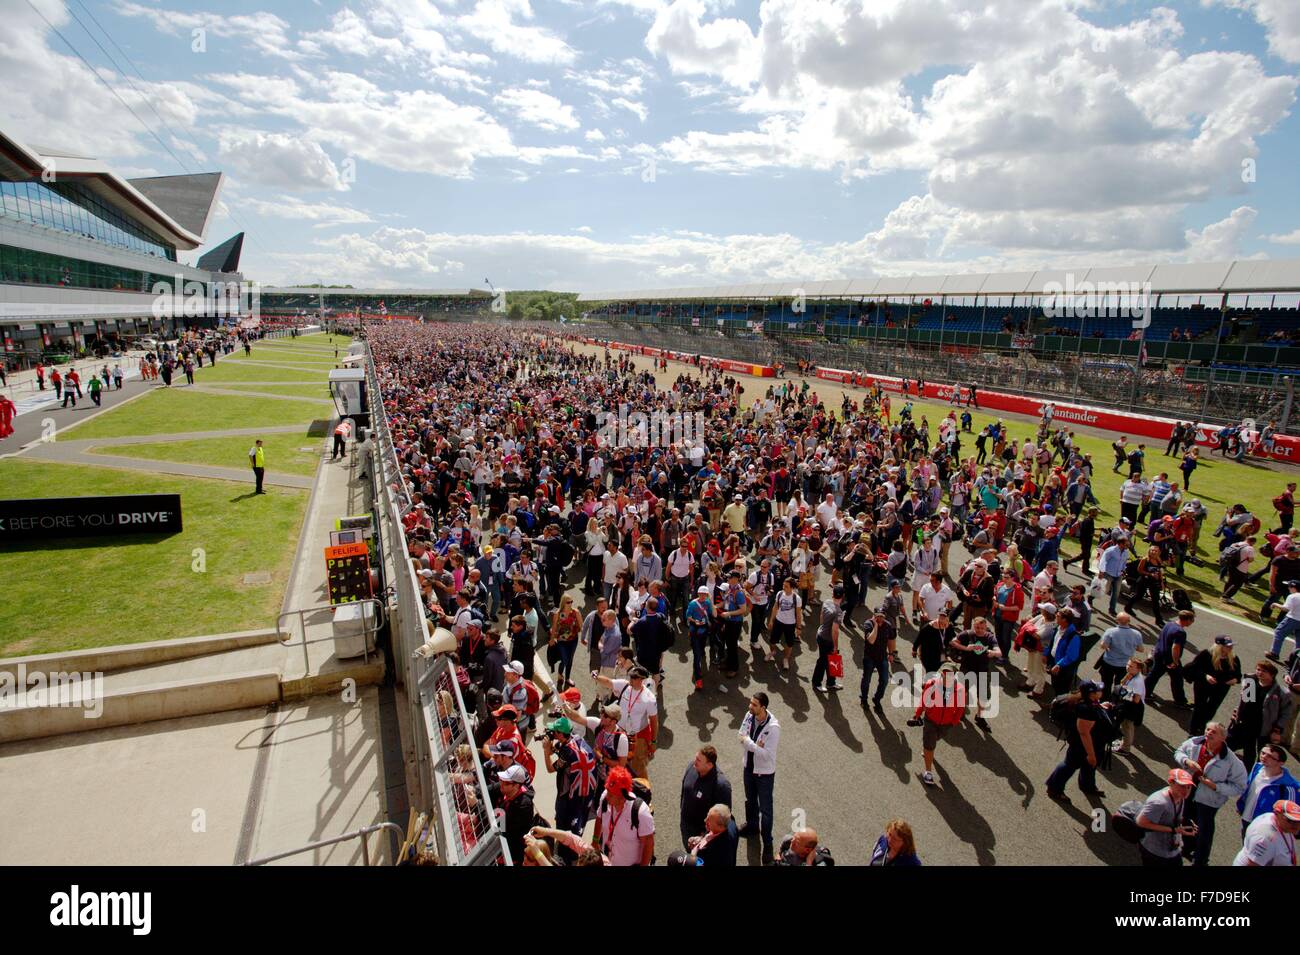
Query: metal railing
x=372, y=622
x=448, y=782
x=474, y=836
x=363, y=834
x=1207, y=395
x=384, y=436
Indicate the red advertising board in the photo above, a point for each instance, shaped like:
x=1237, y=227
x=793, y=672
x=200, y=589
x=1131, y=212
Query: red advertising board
x=1286, y=447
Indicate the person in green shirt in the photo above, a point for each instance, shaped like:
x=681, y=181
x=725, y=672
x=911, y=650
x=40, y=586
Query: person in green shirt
x=94, y=387
x=257, y=457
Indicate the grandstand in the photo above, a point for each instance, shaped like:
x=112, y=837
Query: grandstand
x=1241, y=312
x=342, y=303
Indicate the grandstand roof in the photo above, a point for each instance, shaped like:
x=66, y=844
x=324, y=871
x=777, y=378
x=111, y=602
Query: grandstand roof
x=1203, y=278
x=376, y=292
x=176, y=207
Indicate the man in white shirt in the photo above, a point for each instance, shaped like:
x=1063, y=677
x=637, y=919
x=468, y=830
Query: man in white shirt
x=1290, y=622
x=827, y=511
x=1270, y=839
x=759, y=735
x=615, y=562
x=640, y=709
x=934, y=596
x=625, y=828
x=680, y=572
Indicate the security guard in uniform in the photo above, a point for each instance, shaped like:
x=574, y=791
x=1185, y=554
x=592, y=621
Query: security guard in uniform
x=257, y=457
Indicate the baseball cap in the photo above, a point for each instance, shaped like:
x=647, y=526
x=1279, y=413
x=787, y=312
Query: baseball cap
x=514, y=774
x=1090, y=686
x=1047, y=609
x=505, y=747
x=1180, y=777
x=562, y=725
x=1293, y=583
x=515, y=666
x=949, y=667
x=1288, y=808
x=1223, y=641
x=506, y=712
x=705, y=590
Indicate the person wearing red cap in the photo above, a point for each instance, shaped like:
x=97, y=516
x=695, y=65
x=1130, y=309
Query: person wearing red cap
x=1270, y=839
x=1163, y=816
x=508, y=728
x=625, y=827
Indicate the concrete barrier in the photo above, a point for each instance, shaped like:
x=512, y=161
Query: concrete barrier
x=142, y=704
x=129, y=655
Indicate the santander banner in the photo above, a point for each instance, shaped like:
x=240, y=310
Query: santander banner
x=1286, y=447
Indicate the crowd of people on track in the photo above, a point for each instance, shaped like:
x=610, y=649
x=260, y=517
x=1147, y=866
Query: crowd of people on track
x=528, y=478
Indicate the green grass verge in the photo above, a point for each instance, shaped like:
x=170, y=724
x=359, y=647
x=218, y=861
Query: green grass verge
x=95, y=592
x=228, y=370
x=319, y=390
x=1217, y=483
x=176, y=410
x=283, y=452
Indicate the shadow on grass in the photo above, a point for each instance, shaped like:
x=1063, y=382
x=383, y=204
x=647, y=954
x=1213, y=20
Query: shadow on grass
x=21, y=546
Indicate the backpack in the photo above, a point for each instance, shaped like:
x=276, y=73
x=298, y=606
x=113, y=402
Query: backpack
x=1229, y=556
x=1062, y=710
x=1182, y=600
x=534, y=698
x=1123, y=821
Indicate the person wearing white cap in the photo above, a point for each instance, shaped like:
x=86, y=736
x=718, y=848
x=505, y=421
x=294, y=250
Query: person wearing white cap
x=515, y=693
x=699, y=623
x=1270, y=839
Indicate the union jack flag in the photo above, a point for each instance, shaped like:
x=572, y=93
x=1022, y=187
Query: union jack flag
x=582, y=771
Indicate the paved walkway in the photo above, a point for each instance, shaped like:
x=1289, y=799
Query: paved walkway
x=846, y=770
x=78, y=452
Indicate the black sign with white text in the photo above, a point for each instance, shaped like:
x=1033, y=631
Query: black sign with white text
x=42, y=518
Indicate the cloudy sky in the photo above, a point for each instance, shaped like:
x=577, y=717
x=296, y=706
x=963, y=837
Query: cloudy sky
x=608, y=144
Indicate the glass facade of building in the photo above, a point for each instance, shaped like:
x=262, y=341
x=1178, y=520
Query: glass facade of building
x=71, y=207
x=41, y=268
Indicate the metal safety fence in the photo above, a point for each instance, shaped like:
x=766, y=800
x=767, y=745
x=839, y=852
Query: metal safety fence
x=446, y=776
x=1208, y=395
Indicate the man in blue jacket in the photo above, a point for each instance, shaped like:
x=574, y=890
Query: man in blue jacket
x=1062, y=655
x=1268, y=782
x=1112, y=563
